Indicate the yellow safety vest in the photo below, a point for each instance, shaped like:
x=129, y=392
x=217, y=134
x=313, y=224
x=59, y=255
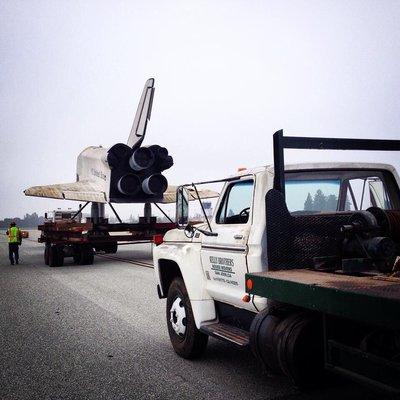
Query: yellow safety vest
x=13, y=234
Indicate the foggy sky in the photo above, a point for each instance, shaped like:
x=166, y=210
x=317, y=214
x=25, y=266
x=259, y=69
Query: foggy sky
x=228, y=74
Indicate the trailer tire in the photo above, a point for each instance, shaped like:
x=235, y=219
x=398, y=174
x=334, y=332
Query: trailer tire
x=113, y=248
x=187, y=341
x=56, y=256
x=108, y=248
x=85, y=255
x=47, y=254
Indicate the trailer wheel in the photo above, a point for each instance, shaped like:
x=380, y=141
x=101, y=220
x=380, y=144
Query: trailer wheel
x=47, y=253
x=56, y=256
x=112, y=248
x=300, y=348
x=186, y=339
x=84, y=255
x=108, y=248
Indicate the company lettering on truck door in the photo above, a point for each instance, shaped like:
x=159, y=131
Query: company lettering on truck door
x=224, y=256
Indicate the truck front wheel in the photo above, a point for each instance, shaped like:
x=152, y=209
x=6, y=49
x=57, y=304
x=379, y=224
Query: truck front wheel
x=186, y=339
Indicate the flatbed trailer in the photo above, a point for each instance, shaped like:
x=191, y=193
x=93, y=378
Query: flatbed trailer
x=359, y=303
x=80, y=240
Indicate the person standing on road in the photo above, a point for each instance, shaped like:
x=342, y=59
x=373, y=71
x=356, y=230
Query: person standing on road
x=14, y=240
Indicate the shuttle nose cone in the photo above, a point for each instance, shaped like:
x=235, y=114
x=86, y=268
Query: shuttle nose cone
x=129, y=184
x=142, y=158
x=155, y=184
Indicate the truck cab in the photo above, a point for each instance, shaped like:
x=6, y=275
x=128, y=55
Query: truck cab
x=201, y=269
x=60, y=215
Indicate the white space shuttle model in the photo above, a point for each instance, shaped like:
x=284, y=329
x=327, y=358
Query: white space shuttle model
x=123, y=173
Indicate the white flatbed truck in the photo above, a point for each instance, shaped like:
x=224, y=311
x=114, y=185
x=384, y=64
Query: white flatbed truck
x=299, y=263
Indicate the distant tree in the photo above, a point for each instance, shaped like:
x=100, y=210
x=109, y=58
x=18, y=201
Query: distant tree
x=308, y=204
x=331, y=203
x=319, y=201
x=29, y=221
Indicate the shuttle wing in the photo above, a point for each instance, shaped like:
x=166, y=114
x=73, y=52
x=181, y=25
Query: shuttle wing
x=89, y=191
x=80, y=191
x=170, y=194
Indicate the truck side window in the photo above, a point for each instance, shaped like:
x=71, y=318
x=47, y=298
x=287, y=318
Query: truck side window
x=235, y=208
x=366, y=192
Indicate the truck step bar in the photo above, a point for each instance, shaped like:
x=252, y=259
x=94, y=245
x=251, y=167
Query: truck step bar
x=229, y=333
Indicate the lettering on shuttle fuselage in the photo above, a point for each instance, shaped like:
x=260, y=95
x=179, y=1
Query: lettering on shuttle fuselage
x=99, y=174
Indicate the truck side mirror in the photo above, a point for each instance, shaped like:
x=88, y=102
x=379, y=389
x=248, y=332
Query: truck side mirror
x=182, y=206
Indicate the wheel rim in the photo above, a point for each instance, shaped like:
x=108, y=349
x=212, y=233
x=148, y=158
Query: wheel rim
x=178, y=317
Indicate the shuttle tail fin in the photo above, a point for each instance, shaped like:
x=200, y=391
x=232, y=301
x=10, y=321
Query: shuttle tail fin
x=143, y=114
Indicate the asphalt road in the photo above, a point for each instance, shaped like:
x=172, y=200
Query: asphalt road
x=99, y=332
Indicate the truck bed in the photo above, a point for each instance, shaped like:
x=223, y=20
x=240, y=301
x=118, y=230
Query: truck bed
x=371, y=299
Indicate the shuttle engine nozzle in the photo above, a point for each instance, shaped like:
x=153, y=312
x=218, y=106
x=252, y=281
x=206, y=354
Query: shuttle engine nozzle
x=129, y=184
x=155, y=184
x=142, y=158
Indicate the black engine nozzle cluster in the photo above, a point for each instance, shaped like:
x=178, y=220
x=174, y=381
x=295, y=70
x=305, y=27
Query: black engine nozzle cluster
x=136, y=173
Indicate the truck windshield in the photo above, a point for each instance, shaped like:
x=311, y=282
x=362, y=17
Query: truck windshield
x=312, y=195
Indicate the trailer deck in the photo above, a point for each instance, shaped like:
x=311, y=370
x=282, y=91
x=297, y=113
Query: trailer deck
x=71, y=232
x=68, y=238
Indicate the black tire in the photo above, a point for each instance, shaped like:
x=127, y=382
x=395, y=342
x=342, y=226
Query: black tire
x=76, y=253
x=300, y=348
x=192, y=343
x=108, y=248
x=85, y=255
x=47, y=254
x=112, y=248
x=56, y=256
x=263, y=338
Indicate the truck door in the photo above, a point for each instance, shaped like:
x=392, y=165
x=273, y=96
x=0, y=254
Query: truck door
x=224, y=256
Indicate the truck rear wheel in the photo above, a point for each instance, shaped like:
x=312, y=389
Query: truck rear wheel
x=56, y=256
x=186, y=339
x=299, y=348
x=263, y=339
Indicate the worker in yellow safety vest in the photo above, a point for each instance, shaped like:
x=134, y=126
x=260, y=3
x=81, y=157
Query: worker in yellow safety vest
x=14, y=240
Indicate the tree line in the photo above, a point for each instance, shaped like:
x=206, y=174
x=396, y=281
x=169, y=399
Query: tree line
x=28, y=221
x=320, y=202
